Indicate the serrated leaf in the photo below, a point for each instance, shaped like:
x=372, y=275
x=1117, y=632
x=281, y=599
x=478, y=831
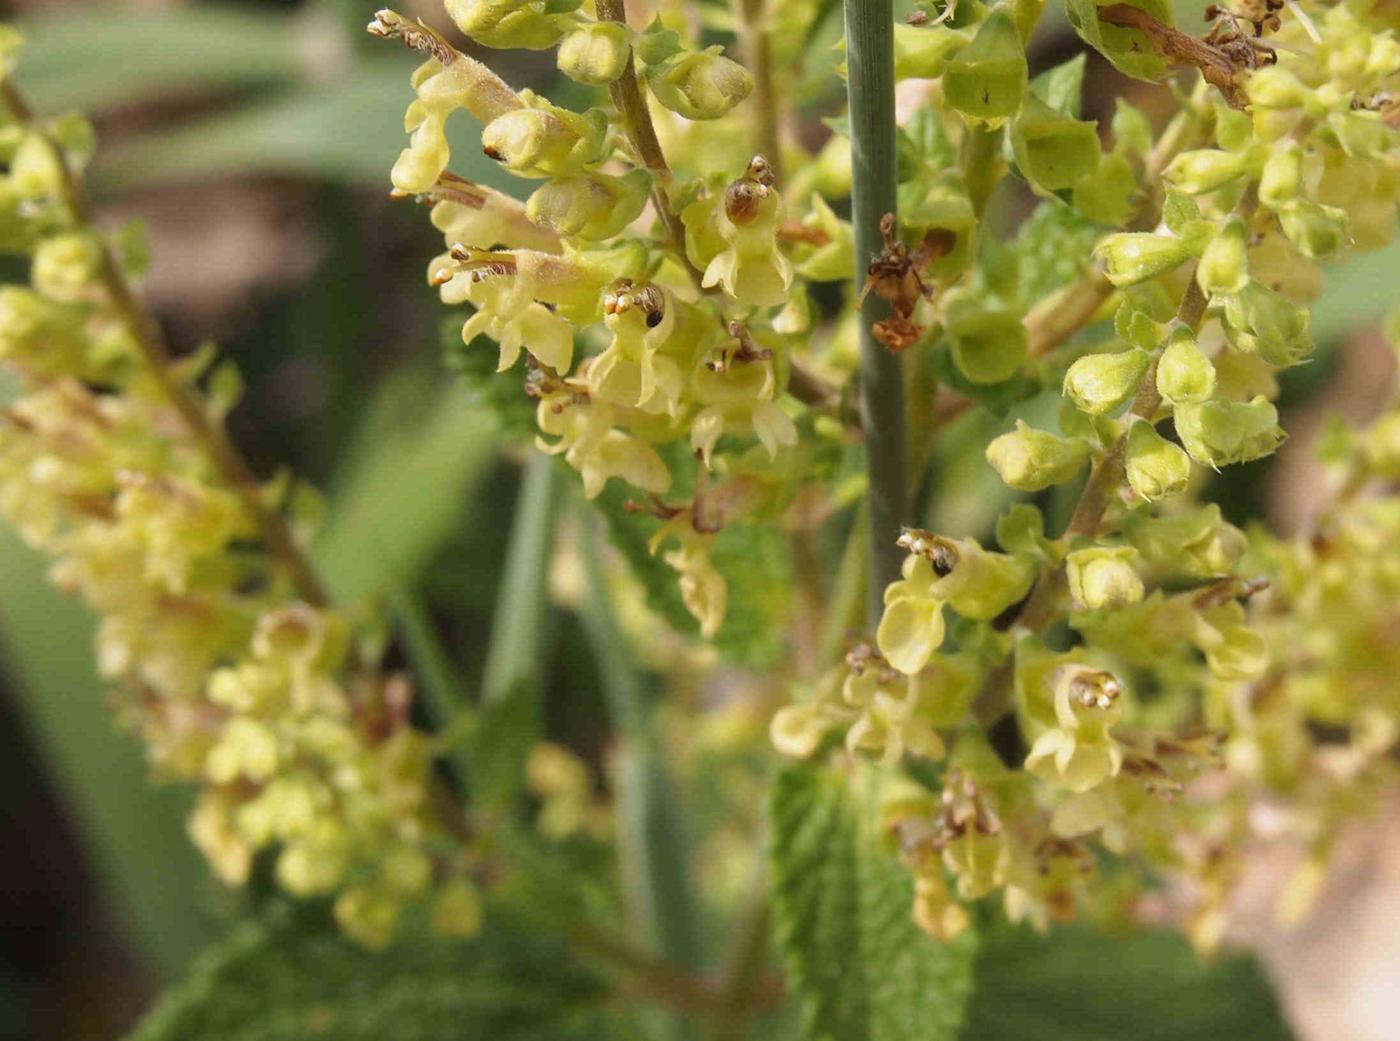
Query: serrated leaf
x=862, y=970
x=292, y=976
x=1079, y=984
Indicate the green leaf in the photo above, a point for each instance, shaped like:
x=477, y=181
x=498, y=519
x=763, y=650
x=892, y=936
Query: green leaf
x=1128, y=49
x=755, y=561
x=402, y=491
x=1079, y=984
x=862, y=970
x=291, y=976
x=350, y=130
x=108, y=56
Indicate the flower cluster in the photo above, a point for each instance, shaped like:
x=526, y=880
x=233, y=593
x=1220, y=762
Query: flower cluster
x=114, y=463
x=1151, y=642
x=655, y=315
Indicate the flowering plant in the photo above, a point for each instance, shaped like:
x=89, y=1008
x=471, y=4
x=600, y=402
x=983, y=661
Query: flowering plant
x=765, y=350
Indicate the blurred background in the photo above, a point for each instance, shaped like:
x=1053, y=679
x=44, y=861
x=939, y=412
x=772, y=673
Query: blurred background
x=253, y=140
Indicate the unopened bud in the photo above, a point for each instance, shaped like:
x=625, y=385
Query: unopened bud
x=1224, y=264
x=1204, y=170
x=1156, y=468
x=1030, y=460
x=591, y=206
x=987, y=79
x=535, y=140
x=1184, y=373
x=699, y=84
x=596, y=53
x=65, y=265
x=1103, y=578
x=1102, y=383
x=1282, y=177
x=1261, y=321
x=1218, y=433
x=1275, y=87
x=36, y=171
x=1317, y=230
x=1132, y=257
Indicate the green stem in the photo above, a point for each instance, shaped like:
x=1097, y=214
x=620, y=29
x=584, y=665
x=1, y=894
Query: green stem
x=982, y=165
x=651, y=835
x=442, y=689
x=517, y=630
x=870, y=90
x=845, y=608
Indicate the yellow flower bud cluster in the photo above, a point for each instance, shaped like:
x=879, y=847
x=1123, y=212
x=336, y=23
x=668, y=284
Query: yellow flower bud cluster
x=115, y=464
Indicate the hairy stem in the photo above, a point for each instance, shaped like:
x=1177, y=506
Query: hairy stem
x=631, y=103
x=870, y=90
x=145, y=333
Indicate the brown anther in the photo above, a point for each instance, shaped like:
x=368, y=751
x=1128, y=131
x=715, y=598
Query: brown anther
x=743, y=199
x=760, y=170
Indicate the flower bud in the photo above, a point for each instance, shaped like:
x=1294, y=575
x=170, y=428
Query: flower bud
x=1316, y=230
x=1194, y=546
x=1102, y=383
x=1104, y=577
x=1132, y=257
x=36, y=171
x=1030, y=460
x=540, y=141
x=1218, y=433
x=699, y=84
x=1261, y=321
x=1156, y=468
x=457, y=910
x=1275, y=87
x=65, y=265
x=369, y=916
x=1224, y=265
x=988, y=344
x=987, y=79
x=1204, y=170
x=1184, y=373
x=591, y=205
x=1282, y=177
x=1053, y=150
x=524, y=24
x=596, y=53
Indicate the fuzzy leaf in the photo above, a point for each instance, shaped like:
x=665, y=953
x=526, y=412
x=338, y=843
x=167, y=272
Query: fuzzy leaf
x=1079, y=984
x=290, y=976
x=862, y=970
